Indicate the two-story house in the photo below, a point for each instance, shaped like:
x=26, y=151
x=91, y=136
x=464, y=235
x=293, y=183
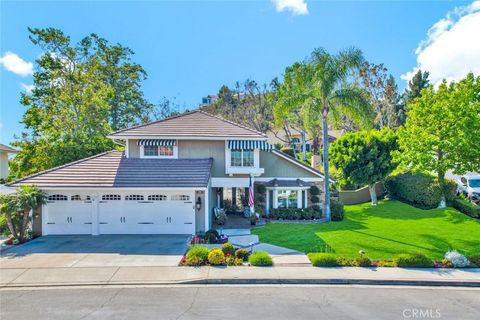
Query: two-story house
x=171, y=175
x=5, y=151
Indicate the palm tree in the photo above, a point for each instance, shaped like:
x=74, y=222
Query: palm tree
x=322, y=87
x=29, y=198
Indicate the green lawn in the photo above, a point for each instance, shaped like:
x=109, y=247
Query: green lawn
x=383, y=231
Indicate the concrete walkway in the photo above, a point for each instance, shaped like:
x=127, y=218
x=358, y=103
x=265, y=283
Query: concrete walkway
x=236, y=275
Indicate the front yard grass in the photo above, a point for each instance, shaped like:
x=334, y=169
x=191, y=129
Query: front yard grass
x=383, y=231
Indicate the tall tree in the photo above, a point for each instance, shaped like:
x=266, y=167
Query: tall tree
x=365, y=157
x=394, y=108
x=80, y=92
x=320, y=87
x=442, y=129
x=415, y=86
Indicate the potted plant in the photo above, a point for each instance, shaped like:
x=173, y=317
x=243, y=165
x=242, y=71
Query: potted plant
x=253, y=219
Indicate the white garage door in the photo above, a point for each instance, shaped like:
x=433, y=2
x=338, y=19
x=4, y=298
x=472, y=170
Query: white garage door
x=68, y=214
x=147, y=213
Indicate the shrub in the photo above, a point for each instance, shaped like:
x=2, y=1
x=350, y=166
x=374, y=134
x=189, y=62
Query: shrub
x=415, y=260
x=323, y=259
x=228, y=249
x=314, y=191
x=295, y=214
x=241, y=254
x=475, y=261
x=347, y=262
x=261, y=189
x=216, y=257
x=315, y=199
x=196, y=256
x=363, y=261
x=288, y=151
x=419, y=190
x=238, y=262
x=211, y=236
x=260, y=258
x=466, y=207
x=385, y=263
x=457, y=259
x=336, y=210
x=230, y=261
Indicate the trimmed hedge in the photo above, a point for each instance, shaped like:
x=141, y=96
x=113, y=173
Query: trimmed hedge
x=420, y=190
x=337, y=211
x=413, y=260
x=295, y=214
x=196, y=256
x=260, y=258
x=323, y=259
x=466, y=207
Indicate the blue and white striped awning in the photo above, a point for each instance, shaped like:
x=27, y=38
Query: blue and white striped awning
x=249, y=145
x=157, y=142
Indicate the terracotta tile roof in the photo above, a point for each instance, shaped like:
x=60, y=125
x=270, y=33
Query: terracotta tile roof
x=111, y=169
x=195, y=123
x=8, y=149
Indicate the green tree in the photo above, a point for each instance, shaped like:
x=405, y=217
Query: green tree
x=365, y=157
x=394, y=108
x=80, y=92
x=442, y=129
x=415, y=86
x=320, y=88
x=17, y=207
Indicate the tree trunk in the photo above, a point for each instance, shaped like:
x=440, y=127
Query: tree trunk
x=304, y=145
x=326, y=184
x=23, y=231
x=11, y=225
x=373, y=194
x=441, y=182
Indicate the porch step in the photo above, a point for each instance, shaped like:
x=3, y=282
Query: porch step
x=234, y=232
x=244, y=241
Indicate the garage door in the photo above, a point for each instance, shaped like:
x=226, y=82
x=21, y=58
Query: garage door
x=68, y=214
x=147, y=213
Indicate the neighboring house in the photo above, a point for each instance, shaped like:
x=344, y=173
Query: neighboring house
x=170, y=177
x=279, y=136
x=4, y=153
x=208, y=100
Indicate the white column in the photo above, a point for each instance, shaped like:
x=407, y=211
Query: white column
x=207, y=208
x=95, y=214
x=267, y=202
x=275, y=198
x=299, y=199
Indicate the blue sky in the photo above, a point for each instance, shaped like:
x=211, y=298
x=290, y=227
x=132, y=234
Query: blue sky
x=190, y=49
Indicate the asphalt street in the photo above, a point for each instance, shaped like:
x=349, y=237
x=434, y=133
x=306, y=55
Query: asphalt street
x=241, y=302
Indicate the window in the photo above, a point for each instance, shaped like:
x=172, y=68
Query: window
x=157, y=197
x=150, y=151
x=78, y=197
x=287, y=198
x=134, y=197
x=242, y=158
x=158, y=151
x=57, y=197
x=181, y=197
x=111, y=197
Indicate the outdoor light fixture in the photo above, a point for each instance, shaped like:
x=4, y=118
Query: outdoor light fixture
x=198, y=204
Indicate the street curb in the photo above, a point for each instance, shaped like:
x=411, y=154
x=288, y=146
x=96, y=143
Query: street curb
x=415, y=283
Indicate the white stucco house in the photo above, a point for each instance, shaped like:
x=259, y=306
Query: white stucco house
x=5, y=152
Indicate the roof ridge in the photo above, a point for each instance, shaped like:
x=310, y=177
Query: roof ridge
x=231, y=122
x=60, y=167
x=155, y=121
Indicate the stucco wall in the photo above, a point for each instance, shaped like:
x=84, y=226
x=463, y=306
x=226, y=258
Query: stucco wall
x=133, y=149
x=361, y=195
x=3, y=165
x=276, y=166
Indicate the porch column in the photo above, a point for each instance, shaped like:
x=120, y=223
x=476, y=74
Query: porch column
x=275, y=198
x=299, y=199
x=267, y=202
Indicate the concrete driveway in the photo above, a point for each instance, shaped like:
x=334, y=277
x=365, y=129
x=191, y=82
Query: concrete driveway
x=97, y=251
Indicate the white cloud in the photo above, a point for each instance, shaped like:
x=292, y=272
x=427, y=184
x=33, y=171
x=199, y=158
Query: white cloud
x=12, y=62
x=297, y=7
x=27, y=87
x=452, y=47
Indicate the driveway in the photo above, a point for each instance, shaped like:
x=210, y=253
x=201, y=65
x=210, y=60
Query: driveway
x=97, y=251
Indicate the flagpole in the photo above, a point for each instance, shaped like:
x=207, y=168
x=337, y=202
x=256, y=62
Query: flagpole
x=253, y=194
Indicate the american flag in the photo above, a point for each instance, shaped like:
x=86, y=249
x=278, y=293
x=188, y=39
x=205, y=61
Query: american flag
x=250, y=194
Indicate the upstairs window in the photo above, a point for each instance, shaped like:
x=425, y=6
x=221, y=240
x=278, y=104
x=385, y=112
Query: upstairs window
x=242, y=158
x=158, y=151
x=134, y=197
x=150, y=151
